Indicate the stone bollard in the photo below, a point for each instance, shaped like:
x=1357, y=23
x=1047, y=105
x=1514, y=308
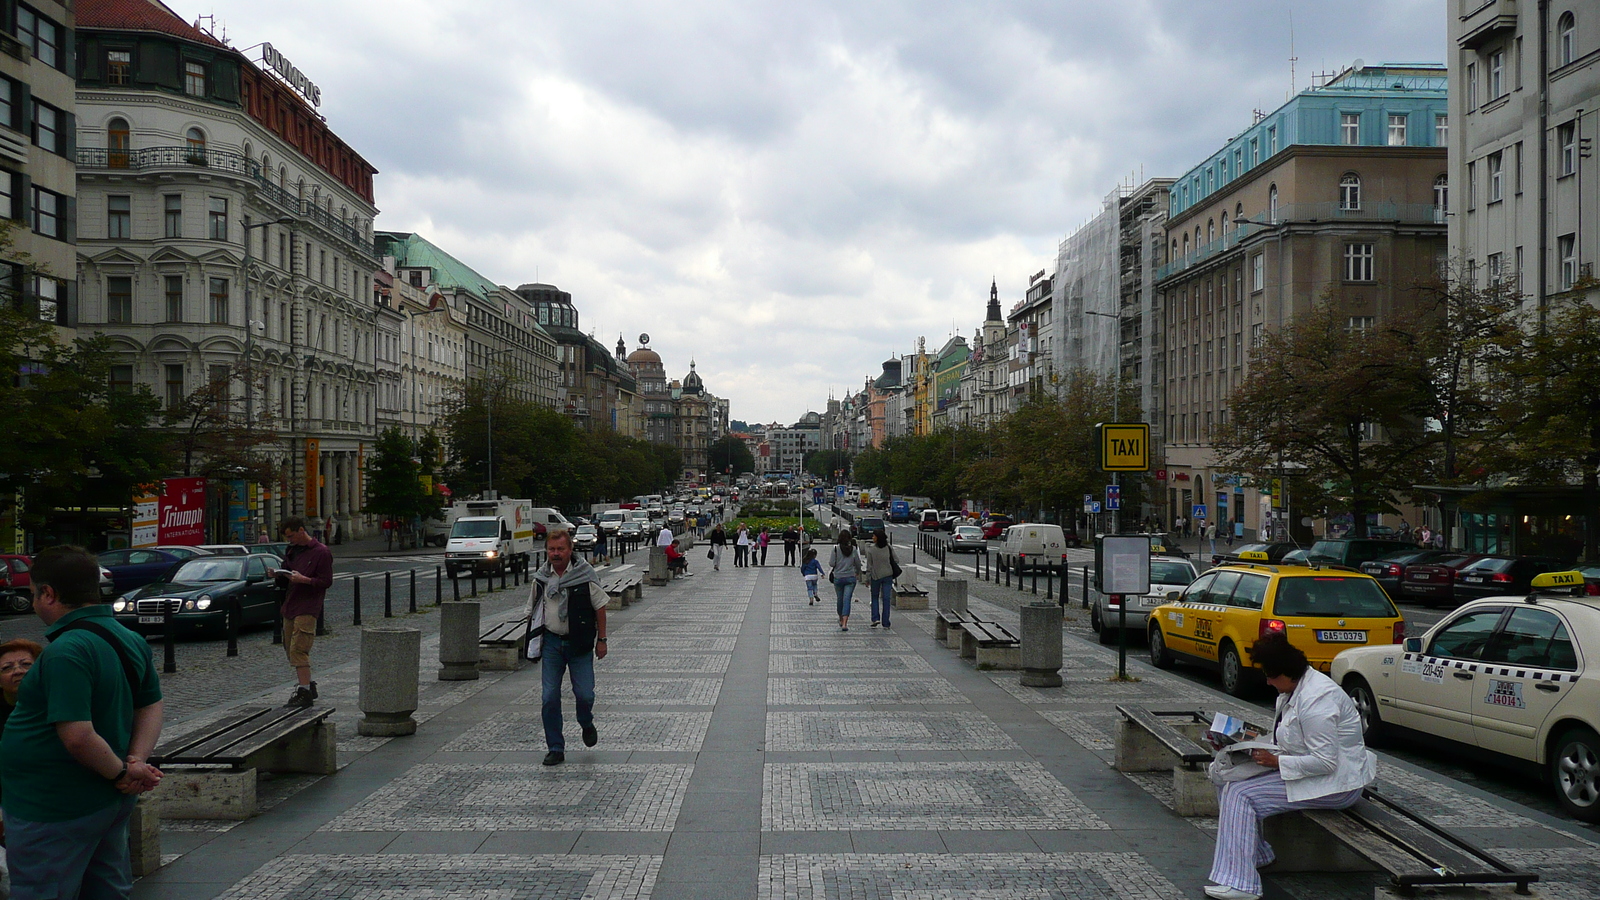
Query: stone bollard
x=458, y=641
x=390, y=658
x=658, y=566
x=1041, y=645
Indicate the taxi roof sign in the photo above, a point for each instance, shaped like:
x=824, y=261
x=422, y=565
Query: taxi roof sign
x=1254, y=555
x=1558, y=580
x=1124, y=446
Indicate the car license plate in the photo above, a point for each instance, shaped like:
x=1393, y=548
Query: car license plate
x=1342, y=637
x=1152, y=601
x=150, y=620
x=1473, y=579
x=1421, y=576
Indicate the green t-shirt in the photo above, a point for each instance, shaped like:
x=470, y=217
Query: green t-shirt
x=78, y=678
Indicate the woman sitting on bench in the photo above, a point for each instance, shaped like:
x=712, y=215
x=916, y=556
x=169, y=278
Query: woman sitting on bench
x=1322, y=763
x=677, y=563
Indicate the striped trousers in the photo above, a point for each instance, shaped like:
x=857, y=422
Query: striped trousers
x=1240, y=849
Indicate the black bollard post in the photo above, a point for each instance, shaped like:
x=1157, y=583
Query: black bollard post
x=455, y=588
x=355, y=585
x=1049, y=582
x=503, y=574
x=413, y=607
x=943, y=550
x=388, y=606
x=438, y=586
x=1007, y=570
x=1086, y=586
x=1036, y=580
x=1020, y=573
x=322, y=624
x=169, y=640
x=233, y=629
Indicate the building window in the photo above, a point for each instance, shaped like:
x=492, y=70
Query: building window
x=118, y=142
x=1441, y=197
x=1272, y=140
x=121, y=379
x=174, y=386
x=1496, y=163
x=218, y=216
x=1566, y=149
x=1567, y=252
x=195, y=141
x=1272, y=204
x=1397, y=131
x=1497, y=74
x=1360, y=324
x=219, y=301
x=46, y=127
x=1566, y=40
x=1472, y=86
x=118, y=65
x=194, y=79
x=1255, y=152
x=119, y=217
x=47, y=207
x=119, y=300
x=1518, y=173
x=41, y=35
x=1472, y=186
x=1350, y=191
x=1258, y=272
x=1495, y=265
x=1357, y=262
x=1258, y=333
x=174, y=294
x=1441, y=130
x=172, y=215
x=1350, y=129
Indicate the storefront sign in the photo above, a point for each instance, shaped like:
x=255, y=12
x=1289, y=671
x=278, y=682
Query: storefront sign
x=295, y=78
x=175, y=516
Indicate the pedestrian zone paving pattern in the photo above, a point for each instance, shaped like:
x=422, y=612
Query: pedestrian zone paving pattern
x=839, y=642
x=523, y=730
x=573, y=797
x=656, y=690
x=884, y=731
x=849, y=664
x=975, y=876
x=411, y=876
x=827, y=691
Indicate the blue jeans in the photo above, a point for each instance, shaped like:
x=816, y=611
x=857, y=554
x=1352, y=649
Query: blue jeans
x=553, y=661
x=844, y=588
x=86, y=858
x=882, y=594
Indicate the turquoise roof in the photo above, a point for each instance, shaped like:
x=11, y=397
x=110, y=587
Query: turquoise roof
x=416, y=252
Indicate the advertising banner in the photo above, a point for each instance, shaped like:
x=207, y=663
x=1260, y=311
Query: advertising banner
x=313, y=477
x=175, y=516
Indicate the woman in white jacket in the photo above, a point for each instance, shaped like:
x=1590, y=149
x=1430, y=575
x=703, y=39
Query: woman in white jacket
x=1321, y=763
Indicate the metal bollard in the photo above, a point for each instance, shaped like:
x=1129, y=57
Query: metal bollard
x=1086, y=586
x=455, y=588
x=169, y=640
x=322, y=624
x=233, y=629
x=474, y=584
x=438, y=585
x=1049, y=582
x=277, y=626
x=943, y=551
x=388, y=606
x=413, y=591
x=1021, y=574
x=1036, y=579
x=1007, y=570
x=355, y=585
x=503, y=574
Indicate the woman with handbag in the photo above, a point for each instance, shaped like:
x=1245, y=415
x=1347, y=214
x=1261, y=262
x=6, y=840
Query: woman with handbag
x=844, y=569
x=880, y=565
x=719, y=540
x=1321, y=763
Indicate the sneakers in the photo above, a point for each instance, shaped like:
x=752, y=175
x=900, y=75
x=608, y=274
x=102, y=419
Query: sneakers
x=874, y=623
x=590, y=736
x=1222, y=892
x=313, y=690
x=554, y=758
x=301, y=698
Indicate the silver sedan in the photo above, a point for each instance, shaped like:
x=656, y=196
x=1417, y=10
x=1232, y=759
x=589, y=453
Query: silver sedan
x=1167, y=573
x=968, y=538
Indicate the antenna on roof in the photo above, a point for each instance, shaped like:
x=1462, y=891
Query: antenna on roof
x=1292, y=58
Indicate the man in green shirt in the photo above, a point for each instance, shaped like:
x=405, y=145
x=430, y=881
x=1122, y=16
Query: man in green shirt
x=73, y=754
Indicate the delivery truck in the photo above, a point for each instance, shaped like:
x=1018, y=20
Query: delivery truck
x=489, y=536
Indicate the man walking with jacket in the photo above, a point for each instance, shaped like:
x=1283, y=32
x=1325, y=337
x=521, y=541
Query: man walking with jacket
x=569, y=608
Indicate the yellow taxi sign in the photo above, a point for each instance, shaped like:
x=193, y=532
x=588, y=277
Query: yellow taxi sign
x=1254, y=555
x=1124, y=446
x=1558, y=580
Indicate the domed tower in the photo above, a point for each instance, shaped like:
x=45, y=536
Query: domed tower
x=691, y=382
x=653, y=390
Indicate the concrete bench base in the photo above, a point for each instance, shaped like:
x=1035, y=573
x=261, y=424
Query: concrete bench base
x=1008, y=657
x=1315, y=850
x=207, y=794
x=144, y=836
x=313, y=750
x=1193, y=794
x=910, y=601
x=502, y=658
x=952, y=638
x=618, y=601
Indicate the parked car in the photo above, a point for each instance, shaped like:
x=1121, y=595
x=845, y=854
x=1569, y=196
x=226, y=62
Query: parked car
x=15, y=571
x=929, y=520
x=1322, y=611
x=1350, y=552
x=1033, y=545
x=867, y=526
x=1433, y=582
x=225, y=549
x=1390, y=570
x=1494, y=576
x=968, y=539
x=184, y=551
x=1500, y=674
x=134, y=568
x=204, y=589
x=1167, y=574
x=996, y=525
x=1275, y=551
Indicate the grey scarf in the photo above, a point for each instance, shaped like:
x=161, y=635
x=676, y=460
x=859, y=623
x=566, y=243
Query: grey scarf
x=556, y=587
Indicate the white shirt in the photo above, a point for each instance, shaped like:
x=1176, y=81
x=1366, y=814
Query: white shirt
x=665, y=537
x=1319, y=739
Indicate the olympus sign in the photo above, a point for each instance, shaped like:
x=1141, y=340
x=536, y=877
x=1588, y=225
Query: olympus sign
x=295, y=78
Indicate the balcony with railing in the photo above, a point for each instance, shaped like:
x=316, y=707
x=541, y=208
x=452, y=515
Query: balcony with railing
x=1383, y=212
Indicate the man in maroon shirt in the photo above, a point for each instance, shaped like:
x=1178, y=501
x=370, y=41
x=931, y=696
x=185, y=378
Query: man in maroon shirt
x=307, y=572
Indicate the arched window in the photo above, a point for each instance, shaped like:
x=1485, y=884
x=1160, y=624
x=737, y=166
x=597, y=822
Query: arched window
x=283, y=178
x=1211, y=230
x=249, y=150
x=300, y=189
x=1238, y=212
x=1441, y=196
x=1224, y=223
x=1272, y=204
x=1566, y=42
x=118, y=142
x=197, y=147
x=1186, y=244
x=1350, y=191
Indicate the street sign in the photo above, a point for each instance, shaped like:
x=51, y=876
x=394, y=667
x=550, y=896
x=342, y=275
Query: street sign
x=1113, y=496
x=1094, y=506
x=1161, y=474
x=1124, y=564
x=1124, y=447
x=1088, y=503
x=1199, y=511
x=816, y=495
x=838, y=491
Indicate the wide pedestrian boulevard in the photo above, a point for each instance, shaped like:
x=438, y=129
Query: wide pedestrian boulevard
x=750, y=749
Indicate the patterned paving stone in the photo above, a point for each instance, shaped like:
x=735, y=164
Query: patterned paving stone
x=1567, y=873
x=884, y=731
x=445, y=877
x=821, y=624
x=672, y=642
x=828, y=643
x=641, y=691
x=818, y=691
x=989, y=796
x=985, y=876
x=1092, y=731
x=694, y=628
x=523, y=729
x=572, y=797
x=707, y=664
x=849, y=663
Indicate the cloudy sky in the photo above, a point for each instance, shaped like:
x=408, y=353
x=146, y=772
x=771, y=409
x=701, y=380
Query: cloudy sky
x=790, y=193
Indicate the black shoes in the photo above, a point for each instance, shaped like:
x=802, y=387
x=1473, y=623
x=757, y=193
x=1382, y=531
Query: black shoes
x=313, y=690
x=301, y=698
x=554, y=758
x=590, y=736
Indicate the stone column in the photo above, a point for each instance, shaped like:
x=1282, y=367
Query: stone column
x=458, y=641
x=390, y=658
x=953, y=595
x=658, y=566
x=1041, y=645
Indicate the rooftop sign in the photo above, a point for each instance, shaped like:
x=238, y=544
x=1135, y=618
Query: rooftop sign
x=293, y=76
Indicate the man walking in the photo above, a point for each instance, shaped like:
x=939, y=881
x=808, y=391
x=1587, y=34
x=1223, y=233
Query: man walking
x=664, y=536
x=791, y=540
x=308, y=573
x=569, y=603
x=73, y=754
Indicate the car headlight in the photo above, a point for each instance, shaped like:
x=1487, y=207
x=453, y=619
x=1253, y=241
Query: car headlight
x=119, y=606
x=204, y=602
x=187, y=605
x=490, y=554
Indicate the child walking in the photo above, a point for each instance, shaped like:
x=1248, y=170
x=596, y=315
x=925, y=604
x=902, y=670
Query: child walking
x=812, y=570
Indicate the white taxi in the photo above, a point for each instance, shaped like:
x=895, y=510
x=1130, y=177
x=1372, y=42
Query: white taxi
x=1502, y=674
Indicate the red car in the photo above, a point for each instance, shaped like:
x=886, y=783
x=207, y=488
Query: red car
x=996, y=525
x=14, y=571
x=1433, y=583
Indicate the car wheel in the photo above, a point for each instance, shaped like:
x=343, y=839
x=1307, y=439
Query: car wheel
x=1367, y=707
x=19, y=602
x=1575, y=770
x=1235, y=678
x=1159, y=656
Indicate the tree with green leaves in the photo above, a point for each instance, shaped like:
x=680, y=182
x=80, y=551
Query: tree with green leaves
x=824, y=463
x=729, y=454
x=214, y=438
x=395, y=488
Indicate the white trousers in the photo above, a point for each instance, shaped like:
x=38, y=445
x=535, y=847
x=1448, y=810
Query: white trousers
x=1240, y=849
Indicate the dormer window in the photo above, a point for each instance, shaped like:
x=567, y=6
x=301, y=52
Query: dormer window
x=194, y=79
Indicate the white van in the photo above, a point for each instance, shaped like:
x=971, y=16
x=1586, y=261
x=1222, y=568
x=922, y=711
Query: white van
x=929, y=520
x=1033, y=545
x=546, y=518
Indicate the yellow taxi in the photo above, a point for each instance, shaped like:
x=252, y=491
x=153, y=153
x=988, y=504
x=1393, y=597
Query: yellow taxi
x=1504, y=675
x=1323, y=610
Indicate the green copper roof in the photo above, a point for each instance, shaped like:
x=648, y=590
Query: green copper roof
x=415, y=251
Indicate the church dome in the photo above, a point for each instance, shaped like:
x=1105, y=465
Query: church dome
x=644, y=356
x=691, y=382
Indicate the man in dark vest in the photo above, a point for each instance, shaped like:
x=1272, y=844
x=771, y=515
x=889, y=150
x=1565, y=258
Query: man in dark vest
x=568, y=601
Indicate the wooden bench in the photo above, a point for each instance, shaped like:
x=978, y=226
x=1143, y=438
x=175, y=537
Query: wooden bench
x=624, y=589
x=504, y=647
x=990, y=646
x=1150, y=741
x=210, y=773
x=943, y=623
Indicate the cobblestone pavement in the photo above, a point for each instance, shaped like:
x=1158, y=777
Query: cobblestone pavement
x=749, y=749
